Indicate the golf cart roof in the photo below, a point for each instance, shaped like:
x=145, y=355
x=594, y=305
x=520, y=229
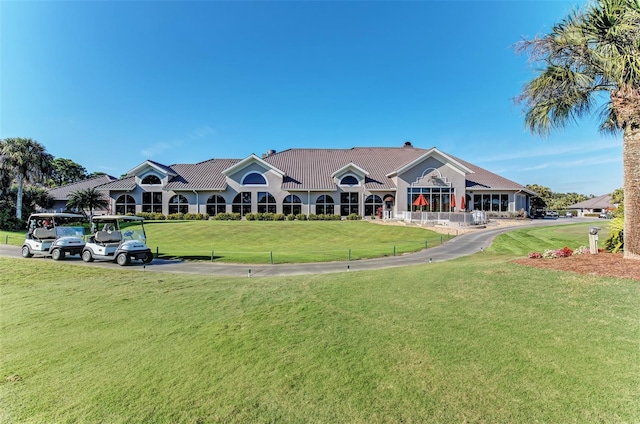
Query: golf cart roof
x=117, y=218
x=55, y=215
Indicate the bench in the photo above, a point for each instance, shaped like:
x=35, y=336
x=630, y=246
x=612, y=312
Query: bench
x=44, y=233
x=106, y=237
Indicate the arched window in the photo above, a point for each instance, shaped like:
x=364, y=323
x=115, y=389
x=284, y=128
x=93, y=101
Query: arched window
x=125, y=204
x=178, y=203
x=371, y=205
x=242, y=203
x=266, y=202
x=291, y=205
x=216, y=204
x=349, y=180
x=325, y=205
x=254, y=178
x=151, y=179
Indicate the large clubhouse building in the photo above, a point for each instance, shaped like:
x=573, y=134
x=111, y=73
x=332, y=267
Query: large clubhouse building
x=387, y=182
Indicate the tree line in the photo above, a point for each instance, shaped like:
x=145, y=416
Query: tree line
x=27, y=171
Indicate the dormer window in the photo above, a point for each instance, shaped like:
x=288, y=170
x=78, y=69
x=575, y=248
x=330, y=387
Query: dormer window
x=151, y=180
x=349, y=180
x=254, y=178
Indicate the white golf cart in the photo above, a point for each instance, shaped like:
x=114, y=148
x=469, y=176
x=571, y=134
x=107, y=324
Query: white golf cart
x=54, y=234
x=118, y=238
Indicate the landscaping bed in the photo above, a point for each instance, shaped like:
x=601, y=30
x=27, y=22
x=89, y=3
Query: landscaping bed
x=605, y=264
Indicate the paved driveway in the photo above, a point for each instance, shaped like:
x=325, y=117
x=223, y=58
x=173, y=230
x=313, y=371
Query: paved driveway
x=462, y=245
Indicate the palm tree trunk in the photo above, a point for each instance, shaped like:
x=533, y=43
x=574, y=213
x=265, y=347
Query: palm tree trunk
x=631, y=166
x=19, y=197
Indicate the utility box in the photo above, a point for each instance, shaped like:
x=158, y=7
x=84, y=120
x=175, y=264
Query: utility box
x=593, y=240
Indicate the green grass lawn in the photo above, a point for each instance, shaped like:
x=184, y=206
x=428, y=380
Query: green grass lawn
x=478, y=339
x=285, y=242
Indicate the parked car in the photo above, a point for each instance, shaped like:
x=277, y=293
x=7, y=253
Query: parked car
x=552, y=214
x=538, y=213
x=604, y=215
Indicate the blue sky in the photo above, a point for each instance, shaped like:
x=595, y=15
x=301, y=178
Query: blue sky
x=110, y=84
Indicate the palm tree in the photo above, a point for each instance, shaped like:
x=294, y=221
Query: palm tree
x=591, y=53
x=87, y=199
x=27, y=161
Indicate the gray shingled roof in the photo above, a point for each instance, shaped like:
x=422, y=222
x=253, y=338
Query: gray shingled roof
x=311, y=169
x=200, y=176
x=63, y=192
x=483, y=179
x=126, y=184
x=600, y=202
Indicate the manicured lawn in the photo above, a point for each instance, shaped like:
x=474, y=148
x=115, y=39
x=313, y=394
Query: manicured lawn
x=15, y=238
x=472, y=340
x=285, y=242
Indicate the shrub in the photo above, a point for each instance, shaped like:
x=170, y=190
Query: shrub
x=179, y=216
x=301, y=217
x=615, y=242
x=152, y=216
x=224, y=216
x=314, y=217
x=267, y=216
x=353, y=217
x=291, y=217
x=196, y=216
x=251, y=217
x=535, y=255
x=279, y=217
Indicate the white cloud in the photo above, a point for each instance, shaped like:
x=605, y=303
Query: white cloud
x=155, y=150
x=202, y=132
x=554, y=150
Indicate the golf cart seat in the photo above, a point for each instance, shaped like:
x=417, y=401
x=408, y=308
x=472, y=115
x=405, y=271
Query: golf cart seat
x=44, y=233
x=106, y=237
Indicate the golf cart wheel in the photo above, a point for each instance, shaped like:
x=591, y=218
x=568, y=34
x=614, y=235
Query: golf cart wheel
x=87, y=256
x=57, y=254
x=26, y=253
x=148, y=257
x=123, y=259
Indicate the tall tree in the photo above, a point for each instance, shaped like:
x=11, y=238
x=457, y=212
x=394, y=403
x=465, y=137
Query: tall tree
x=87, y=200
x=27, y=161
x=65, y=171
x=593, y=52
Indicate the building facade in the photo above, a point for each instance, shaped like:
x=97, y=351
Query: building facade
x=364, y=181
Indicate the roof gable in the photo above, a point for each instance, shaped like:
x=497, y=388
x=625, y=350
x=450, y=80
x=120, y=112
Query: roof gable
x=149, y=164
x=251, y=159
x=350, y=167
x=438, y=155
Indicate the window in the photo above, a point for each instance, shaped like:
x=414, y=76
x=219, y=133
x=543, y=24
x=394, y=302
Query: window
x=152, y=201
x=504, y=202
x=178, y=204
x=434, y=199
x=125, y=204
x=349, y=180
x=151, y=179
x=495, y=202
x=242, y=203
x=477, y=202
x=325, y=205
x=349, y=203
x=371, y=205
x=291, y=205
x=254, y=178
x=266, y=202
x=216, y=204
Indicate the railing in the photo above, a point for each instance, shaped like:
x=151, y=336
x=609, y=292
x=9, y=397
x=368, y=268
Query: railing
x=438, y=218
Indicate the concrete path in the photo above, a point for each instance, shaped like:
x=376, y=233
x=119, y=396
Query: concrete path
x=462, y=245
